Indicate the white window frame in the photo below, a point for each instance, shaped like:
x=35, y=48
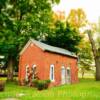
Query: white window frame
x=26, y=74
x=52, y=72
x=34, y=66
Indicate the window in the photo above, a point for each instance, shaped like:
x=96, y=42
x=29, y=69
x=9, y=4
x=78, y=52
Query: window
x=63, y=75
x=52, y=72
x=27, y=72
x=34, y=71
x=34, y=66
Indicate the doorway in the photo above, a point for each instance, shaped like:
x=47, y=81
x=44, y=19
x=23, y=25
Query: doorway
x=65, y=75
x=68, y=75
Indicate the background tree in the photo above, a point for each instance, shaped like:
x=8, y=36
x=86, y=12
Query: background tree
x=98, y=34
x=64, y=36
x=85, y=57
x=77, y=18
x=64, y=33
x=20, y=20
x=91, y=31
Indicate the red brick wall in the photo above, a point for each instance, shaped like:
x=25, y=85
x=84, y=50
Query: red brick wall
x=59, y=61
x=43, y=60
x=32, y=55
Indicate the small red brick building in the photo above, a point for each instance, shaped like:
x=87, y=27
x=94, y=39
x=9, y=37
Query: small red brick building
x=57, y=64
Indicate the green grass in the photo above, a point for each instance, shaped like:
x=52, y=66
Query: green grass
x=86, y=89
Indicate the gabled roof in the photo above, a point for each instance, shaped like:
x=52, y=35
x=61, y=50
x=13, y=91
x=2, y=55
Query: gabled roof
x=49, y=48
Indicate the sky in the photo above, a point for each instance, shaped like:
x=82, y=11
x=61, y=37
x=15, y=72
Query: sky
x=91, y=8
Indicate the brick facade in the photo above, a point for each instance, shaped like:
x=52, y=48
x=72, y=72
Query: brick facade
x=43, y=59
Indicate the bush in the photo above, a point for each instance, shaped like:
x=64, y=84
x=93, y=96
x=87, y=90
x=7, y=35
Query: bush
x=41, y=84
x=35, y=82
x=47, y=82
x=2, y=85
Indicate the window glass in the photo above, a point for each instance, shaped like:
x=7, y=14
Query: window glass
x=52, y=72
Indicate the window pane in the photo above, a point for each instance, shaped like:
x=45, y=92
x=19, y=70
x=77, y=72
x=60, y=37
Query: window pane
x=51, y=72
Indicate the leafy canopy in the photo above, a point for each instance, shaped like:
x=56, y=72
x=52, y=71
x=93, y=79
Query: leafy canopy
x=64, y=36
x=22, y=19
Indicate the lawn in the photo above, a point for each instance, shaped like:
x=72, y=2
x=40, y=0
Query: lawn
x=86, y=89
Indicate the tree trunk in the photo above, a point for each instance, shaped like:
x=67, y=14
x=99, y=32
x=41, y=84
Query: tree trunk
x=94, y=50
x=10, y=68
x=97, y=60
x=96, y=54
x=83, y=71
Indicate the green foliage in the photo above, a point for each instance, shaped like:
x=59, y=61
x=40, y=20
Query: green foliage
x=56, y=1
x=41, y=84
x=23, y=19
x=85, y=54
x=98, y=37
x=35, y=82
x=85, y=57
x=20, y=20
x=64, y=36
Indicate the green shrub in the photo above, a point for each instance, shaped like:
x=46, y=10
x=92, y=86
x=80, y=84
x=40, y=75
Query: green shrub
x=35, y=82
x=46, y=85
x=48, y=81
x=2, y=85
x=41, y=84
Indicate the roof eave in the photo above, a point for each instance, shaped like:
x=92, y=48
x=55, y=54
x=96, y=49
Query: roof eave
x=62, y=54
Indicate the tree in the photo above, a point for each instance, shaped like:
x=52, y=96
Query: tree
x=20, y=20
x=95, y=50
x=77, y=18
x=85, y=57
x=64, y=36
x=98, y=35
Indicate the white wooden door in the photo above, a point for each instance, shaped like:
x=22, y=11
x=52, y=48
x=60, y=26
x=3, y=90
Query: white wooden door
x=68, y=75
x=63, y=75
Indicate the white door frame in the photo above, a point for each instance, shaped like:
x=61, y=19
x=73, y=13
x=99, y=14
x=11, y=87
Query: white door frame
x=26, y=74
x=52, y=76
x=68, y=75
x=63, y=75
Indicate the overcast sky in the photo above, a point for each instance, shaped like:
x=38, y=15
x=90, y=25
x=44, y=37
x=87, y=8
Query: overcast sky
x=91, y=7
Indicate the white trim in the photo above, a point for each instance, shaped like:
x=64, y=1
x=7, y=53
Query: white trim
x=63, y=67
x=34, y=66
x=25, y=47
x=68, y=74
x=52, y=69
x=63, y=74
x=37, y=44
x=26, y=74
x=68, y=68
